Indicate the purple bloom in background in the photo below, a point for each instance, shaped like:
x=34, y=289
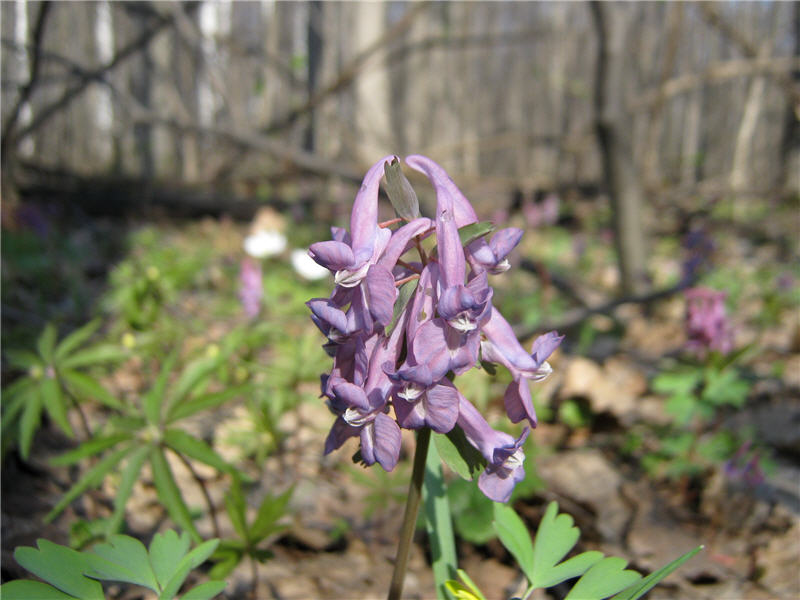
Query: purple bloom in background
x=386, y=379
x=745, y=466
x=707, y=325
x=699, y=247
x=251, y=289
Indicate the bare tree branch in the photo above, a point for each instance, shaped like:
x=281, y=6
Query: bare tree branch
x=27, y=89
x=777, y=66
x=349, y=73
x=87, y=77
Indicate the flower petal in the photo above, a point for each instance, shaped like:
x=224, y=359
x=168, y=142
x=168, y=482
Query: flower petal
x=544, y=345
x=518, y=402
x=504, y=241
x=332, y=255
x=364, y=216
x=339, y=434
x=352, y=395
x=441, y=407
x=387, y=441
x=381, y=294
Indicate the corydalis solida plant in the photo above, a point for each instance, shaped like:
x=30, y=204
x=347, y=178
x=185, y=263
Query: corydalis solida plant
x=446, y=327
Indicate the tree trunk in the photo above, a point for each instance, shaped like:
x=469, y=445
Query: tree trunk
x=613, y=134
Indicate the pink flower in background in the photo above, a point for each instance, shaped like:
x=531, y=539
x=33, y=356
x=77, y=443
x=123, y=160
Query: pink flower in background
x=707, y=325
x=251, y=289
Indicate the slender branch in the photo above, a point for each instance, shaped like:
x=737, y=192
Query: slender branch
x=201, y=482
x=575, y=317
x=410, y=516
x=27, y=90
x=349, y=73
x=98, y=74
x=400, y=282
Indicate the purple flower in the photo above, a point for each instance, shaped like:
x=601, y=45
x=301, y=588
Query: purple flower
x=745, y=466
x=251, y=289
x=492, y=257
x=441, y=331
x=501, y=346
x=707, y=325
x=423, y=401
x=502, y=452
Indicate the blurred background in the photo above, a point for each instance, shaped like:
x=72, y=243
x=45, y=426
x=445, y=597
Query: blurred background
x=165, y=165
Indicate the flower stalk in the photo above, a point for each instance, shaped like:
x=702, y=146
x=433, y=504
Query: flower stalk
x=410, y=515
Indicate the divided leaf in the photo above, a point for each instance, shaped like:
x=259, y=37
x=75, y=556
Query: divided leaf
x=605, y=578
x=556, y=536
x=122, y=559
x=60, y=566
x=166, y=551
x=514, y=535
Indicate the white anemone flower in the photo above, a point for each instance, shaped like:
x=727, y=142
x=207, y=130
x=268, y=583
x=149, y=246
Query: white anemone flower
x=264, y=243
x=306, y=267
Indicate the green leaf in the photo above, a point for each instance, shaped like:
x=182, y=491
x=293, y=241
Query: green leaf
x=606, y=577
x=439, y=523
x=194, y=559
x=206, y=402
x=12, y=407
x=640, y=588
x=183, y=443
x=61, y=567
x=170, y=494
x=235, y=506
x=23, y=359
x=25, y=589
x=472, y=511
x=554, y=539
x=227, y=560
x=515, y=537
x=92, y=478
x=682, y=407
x=122, y=559
x=458, y=454
x=166, y=551
x=271, y=510
x=93, y=446
x=94, y=355
x=47, y=342
x=205, y=591
x=54, y=403
x=725, y=388
x=677, y=382
x=127, y=480
x=155, y=397
x=91, y=389
x=29, y=422
x=405, y=294
x=470, y=233
x=401, y=194
x=194, y=375
x=76, y=338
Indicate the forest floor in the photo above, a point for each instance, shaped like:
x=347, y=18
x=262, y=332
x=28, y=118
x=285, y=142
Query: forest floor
x=601, y=448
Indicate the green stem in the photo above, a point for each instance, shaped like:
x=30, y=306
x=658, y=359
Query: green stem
x=410, y=516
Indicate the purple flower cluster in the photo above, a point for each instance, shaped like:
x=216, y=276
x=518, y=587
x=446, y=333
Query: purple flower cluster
x=444, y=328
x=707, y=325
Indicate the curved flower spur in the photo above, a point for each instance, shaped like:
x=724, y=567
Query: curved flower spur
x=395, y=355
